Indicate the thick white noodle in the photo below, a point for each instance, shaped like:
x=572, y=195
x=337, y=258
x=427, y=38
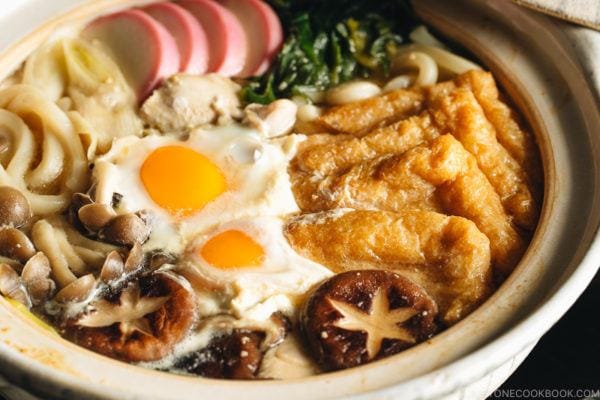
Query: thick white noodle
x=421, y=35
x=14, y=169
x=403, y=81
x=50, y=167
x=425, y=65
x=445, y=60
x=44, y=238
x=47, y=170
x=87, y=134
x=308, y=112
x=71, y=254
x=351, y=91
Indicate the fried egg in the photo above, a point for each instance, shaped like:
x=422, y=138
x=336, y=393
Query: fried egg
x=214, y=176
x=251, y=266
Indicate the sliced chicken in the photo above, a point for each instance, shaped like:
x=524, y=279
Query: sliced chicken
x=185, y=102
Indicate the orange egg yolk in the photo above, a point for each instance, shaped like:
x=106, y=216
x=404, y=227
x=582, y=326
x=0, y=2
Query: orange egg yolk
x=232, y=249
x=180, y=180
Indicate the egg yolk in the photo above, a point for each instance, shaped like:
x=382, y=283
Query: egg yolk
x=232, y=249
x=180, y=180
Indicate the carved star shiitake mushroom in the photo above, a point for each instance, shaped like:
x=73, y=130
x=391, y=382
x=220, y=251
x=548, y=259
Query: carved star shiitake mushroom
x=142, y=322
x=129, y=314
x=359, y=316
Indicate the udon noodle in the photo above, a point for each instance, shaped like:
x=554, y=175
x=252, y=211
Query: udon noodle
x=71, y=254
x=45, y=158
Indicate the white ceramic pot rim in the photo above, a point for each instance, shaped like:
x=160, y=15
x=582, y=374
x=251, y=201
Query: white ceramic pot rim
x=517, y=334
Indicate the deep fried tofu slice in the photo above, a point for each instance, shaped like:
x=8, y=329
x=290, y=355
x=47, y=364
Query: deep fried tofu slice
x=446, y=255
x=361, y=117
x=325, y=154
x=438, y=176
x=457, y=112
x=517, y=141
x=391, y=182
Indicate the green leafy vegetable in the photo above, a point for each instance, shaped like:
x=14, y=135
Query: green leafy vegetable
x=330, y=42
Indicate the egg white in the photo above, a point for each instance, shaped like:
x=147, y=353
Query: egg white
x=256, y=292
x=254, y=168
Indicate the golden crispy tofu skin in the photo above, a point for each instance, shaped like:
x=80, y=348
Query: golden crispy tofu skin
x=468, y=108
x=324, y=154
x=517, y=141
x=361, y=117
x=471, y=196
x=446, y=255
x=392, y=182
x=458, y=112
x=439, y=176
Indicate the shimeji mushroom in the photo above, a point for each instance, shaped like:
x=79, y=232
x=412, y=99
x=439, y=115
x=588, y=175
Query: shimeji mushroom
x=12, y=287
x=36, y=278
x=15, y=210
x=15, y=244
x=113, y=267
x=77, y=291
x=273, y=120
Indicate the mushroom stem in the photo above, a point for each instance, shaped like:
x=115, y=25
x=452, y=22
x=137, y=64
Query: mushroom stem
x=45, y=239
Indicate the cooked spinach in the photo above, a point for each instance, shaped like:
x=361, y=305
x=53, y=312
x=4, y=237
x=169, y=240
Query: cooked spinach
x=330, y=42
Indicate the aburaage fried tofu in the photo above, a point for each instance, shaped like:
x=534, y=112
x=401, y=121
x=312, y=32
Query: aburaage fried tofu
x=327, y=154
x=361, y=117
x=457, y=112
x=440, y=176
x=450, y=109
x=509, y=132
x=447, y=255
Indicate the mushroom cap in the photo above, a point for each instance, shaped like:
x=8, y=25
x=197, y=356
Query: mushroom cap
x=11, y=285
x=36, y=278
x=95, y=216
x=125, y=230
x=15, y=209
x=15, y=244
x=77, y=291
x=168, y=307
